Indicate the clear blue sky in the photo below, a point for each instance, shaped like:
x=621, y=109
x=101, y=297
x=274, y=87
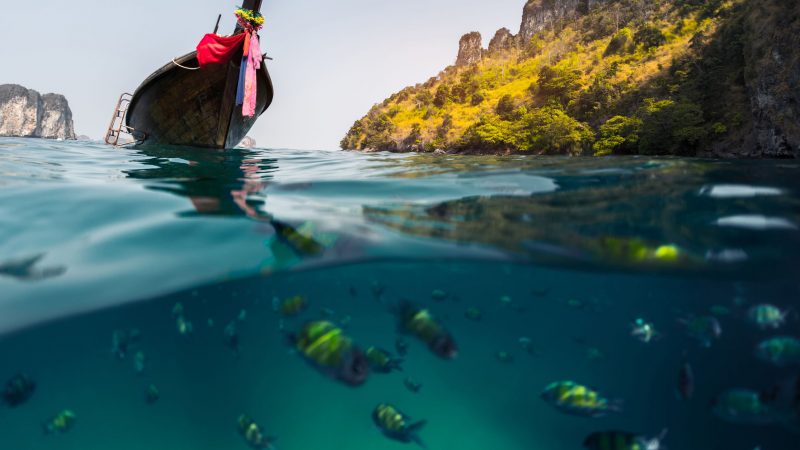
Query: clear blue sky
x=333, y=59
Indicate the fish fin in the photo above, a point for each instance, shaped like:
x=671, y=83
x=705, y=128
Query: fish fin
x=414, y=427
x=616, y=405
x=403, y=311
x=396, y=364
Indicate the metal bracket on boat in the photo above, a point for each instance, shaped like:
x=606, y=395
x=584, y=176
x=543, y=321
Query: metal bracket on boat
x=117, y=129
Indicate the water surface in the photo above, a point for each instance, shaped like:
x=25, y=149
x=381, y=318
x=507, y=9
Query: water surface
x=566, y=253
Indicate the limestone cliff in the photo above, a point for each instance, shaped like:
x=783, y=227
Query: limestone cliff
x=599, y=77
x=503, y=40
x=772, y=58
x=26, y=113
x=470, y=49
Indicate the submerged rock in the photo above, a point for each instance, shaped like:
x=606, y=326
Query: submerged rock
x=26, y=113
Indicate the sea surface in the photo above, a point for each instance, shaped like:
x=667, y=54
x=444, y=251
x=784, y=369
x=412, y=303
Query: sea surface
x=181, y=270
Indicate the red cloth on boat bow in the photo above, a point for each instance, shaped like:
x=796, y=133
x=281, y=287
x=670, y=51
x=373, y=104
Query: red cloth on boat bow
x=215, y=49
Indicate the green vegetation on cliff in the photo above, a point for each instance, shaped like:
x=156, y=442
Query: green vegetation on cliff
x=616, y=77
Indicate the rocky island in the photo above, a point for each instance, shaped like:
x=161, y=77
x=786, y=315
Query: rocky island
x=26, y=113
x=600, y=77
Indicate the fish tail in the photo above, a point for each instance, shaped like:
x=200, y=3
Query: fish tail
x=404, y=310
x=289, y=337
x=413, y=432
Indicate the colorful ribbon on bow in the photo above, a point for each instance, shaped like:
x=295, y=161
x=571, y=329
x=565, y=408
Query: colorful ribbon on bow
x=214, y=49
x=251, y=62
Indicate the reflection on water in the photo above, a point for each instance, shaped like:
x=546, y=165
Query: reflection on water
x=26, y=269
x=655, y=215
x=137, y=223
x=216, y=182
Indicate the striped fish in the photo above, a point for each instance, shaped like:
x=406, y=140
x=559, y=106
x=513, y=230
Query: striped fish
x=579, y=400
x=252, y=434
x=326, y=347
x=397, y=426
x=421, y=324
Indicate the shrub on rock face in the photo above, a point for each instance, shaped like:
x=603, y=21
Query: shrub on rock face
x=442, y=96
x=351, y=140
x=558, y=83
x=505, y=107
x=445, y=127
x=477, y=98
x=553, y=131
x=423, y=99
x=491, y=133
x=621, y=42
x=379, y=134
x=650, y=37
x=670, y=127
x=459, y=93
x=619, y=134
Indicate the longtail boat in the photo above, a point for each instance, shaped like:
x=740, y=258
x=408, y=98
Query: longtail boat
x=183, y=104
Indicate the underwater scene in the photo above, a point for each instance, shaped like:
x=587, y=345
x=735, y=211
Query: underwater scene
x=177, y=298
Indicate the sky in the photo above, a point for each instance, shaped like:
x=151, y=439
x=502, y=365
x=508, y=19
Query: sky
x=332, y=59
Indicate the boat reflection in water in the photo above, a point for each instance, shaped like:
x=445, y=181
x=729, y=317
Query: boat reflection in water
x=223, y=183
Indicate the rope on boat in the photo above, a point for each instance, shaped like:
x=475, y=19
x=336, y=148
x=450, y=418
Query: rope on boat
x=184, y=67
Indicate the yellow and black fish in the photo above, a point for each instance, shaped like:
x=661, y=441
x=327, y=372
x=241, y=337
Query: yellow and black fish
x=622, y=440
x=326, y=346
x=291, y=306
x=421, y=324
x=252, y=433
x=60, y=423
x=381, y=361
x=397, y=426
x=576, y=399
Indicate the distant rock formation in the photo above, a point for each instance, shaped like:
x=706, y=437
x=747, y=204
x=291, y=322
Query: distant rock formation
x=248, y=142
x=539, y=14
x=502, y=40
x=26, y=113
x=470, y=49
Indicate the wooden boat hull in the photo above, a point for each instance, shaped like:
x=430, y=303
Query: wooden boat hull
x=178, y=106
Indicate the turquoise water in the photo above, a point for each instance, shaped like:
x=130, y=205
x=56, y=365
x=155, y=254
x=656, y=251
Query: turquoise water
x=537, y=267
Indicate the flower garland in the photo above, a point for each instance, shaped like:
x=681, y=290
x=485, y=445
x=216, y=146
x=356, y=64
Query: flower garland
x=250, y=20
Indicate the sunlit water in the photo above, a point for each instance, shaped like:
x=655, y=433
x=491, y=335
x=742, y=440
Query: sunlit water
x=550, y=261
